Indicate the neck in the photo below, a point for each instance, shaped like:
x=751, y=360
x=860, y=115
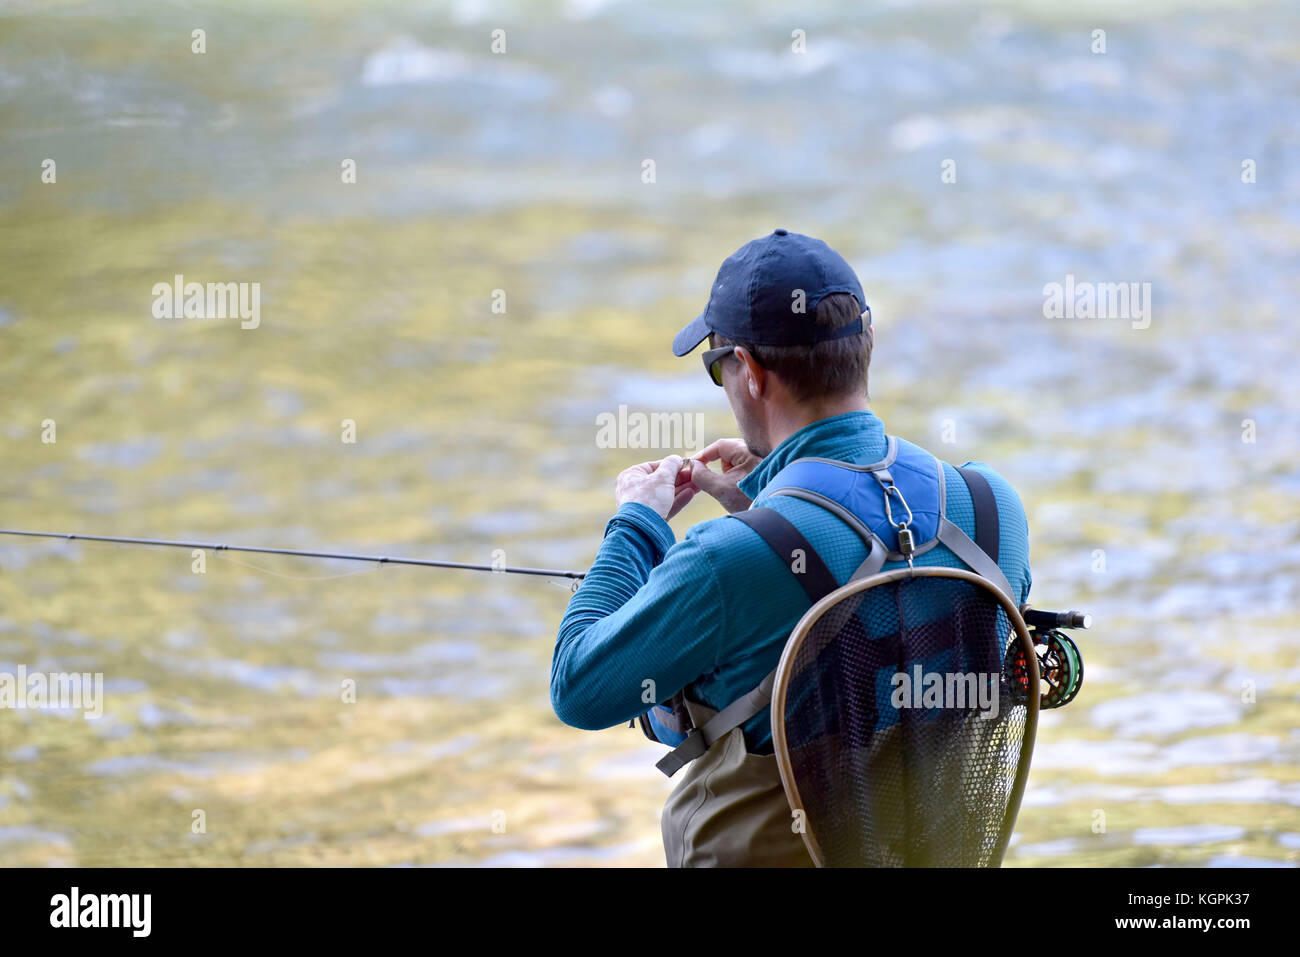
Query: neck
x=786, y=421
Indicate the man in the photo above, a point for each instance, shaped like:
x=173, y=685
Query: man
x=704, y=620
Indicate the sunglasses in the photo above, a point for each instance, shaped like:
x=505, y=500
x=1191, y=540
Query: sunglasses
x=713, y=362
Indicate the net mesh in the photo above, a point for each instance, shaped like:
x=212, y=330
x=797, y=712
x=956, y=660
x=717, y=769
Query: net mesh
x=907, y=771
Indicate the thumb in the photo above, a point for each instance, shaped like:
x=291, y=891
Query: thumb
x=705, y=478
x=668, y=469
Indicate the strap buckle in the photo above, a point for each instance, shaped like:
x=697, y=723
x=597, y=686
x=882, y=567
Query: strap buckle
x=686, y=752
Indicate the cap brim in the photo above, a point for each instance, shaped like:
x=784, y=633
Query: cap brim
x=695, y=332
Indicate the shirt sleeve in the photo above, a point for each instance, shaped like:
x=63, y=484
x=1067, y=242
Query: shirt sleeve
x=644, y=624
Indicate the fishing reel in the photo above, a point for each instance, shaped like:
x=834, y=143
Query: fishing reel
x=1060, y=665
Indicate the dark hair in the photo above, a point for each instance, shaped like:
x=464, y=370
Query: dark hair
x=829, y=369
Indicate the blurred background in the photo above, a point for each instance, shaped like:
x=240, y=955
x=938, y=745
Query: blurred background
x=1157, y=465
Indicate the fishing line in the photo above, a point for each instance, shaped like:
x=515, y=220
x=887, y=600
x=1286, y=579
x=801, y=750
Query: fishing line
x=297, y=578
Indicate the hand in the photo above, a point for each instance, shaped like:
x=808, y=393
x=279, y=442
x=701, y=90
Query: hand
x=664, y=486
x=737, y=462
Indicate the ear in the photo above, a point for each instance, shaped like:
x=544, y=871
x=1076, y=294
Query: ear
x=755, y=375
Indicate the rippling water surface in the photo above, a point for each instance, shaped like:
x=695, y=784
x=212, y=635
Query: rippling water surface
x=476, y=430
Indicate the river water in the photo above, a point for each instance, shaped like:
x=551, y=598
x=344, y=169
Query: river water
x=501, y=274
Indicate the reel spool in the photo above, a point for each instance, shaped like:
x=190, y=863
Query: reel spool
x=1060, y=667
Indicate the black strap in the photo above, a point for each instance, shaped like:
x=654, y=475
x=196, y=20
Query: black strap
x=785, y=539
x=986, y=511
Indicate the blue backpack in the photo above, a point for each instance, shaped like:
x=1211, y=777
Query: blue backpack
x=896, y=506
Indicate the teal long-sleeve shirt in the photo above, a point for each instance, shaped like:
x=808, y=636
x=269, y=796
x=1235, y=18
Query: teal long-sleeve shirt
x=711, y=613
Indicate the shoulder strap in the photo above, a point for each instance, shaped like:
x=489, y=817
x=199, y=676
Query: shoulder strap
x=784, y=539
x=981, y=554
x=986, y=511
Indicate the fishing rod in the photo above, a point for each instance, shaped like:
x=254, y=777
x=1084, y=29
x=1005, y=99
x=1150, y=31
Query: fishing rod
x=1061, y=665
x=300, y=553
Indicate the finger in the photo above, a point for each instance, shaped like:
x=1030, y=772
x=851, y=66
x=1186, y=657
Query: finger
x=681, y=499
x=730, y=452
x=658, y=462
x=713, y=451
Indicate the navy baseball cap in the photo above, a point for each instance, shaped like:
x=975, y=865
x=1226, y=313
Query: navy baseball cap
x=754, y=297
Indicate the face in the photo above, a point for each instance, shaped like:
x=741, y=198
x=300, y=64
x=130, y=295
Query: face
x=746, y=409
